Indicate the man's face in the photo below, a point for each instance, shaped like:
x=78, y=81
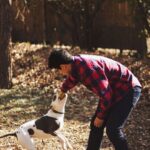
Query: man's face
x=65, y=69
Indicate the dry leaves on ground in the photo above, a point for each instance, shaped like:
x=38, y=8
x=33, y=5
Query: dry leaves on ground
x=32, y=92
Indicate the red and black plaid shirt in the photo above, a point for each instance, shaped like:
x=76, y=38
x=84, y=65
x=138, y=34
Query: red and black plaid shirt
x=107, y=78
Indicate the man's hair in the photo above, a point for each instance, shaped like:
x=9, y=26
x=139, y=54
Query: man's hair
x=58, y=57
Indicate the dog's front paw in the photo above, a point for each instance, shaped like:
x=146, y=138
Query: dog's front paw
x=70, y=147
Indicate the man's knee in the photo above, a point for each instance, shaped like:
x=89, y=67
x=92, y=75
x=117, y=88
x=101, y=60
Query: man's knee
x=114, y=133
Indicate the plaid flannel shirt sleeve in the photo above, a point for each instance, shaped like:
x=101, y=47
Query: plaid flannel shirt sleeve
x=100, y=85
x=105, y=100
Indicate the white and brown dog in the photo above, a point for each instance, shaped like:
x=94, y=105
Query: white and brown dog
x=44, y=127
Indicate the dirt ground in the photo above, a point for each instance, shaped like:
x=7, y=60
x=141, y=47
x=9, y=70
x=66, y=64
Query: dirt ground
x=32, y=92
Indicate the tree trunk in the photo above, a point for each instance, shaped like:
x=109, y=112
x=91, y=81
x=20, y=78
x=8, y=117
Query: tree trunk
x=44, y=23
x=141, y=24
x=5, y=36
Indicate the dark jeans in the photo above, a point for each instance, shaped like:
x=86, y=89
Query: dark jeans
x=114, y=123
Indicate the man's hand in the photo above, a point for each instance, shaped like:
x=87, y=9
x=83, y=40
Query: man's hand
x=98, y=122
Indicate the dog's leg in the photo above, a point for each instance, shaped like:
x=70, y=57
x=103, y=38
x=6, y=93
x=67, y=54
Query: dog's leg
x=68, y=144
x=64, y=141
x=25, y=140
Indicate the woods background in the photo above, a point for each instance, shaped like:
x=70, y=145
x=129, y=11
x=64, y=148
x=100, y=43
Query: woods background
x=88, y=24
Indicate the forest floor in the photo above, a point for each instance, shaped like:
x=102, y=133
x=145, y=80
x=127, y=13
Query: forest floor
x=32, y=92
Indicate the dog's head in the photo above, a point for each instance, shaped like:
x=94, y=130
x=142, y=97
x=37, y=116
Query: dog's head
x=58, y=103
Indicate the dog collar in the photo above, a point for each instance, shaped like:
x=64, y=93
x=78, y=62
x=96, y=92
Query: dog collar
x=55, y=111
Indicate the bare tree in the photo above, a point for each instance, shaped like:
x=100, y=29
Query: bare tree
x=5, y=37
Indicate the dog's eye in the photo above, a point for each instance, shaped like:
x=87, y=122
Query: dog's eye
x=50, y=106
x=54, y=97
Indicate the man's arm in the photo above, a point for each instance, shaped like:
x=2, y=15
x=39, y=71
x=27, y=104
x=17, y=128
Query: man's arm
x=105, y=101
x=100, y=85
x=103, y=107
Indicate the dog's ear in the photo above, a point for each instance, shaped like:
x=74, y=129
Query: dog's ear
x=61, y=95
x=54, y=97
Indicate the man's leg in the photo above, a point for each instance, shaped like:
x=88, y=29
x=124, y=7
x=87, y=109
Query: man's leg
x=95, y=136
x=118, y=117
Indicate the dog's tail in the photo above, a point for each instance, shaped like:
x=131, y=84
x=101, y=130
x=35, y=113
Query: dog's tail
x=9, y=134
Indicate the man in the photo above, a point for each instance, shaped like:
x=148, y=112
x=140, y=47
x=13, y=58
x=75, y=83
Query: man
x=118, y=90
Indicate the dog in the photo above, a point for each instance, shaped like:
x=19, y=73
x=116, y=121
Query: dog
x=44, y=127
